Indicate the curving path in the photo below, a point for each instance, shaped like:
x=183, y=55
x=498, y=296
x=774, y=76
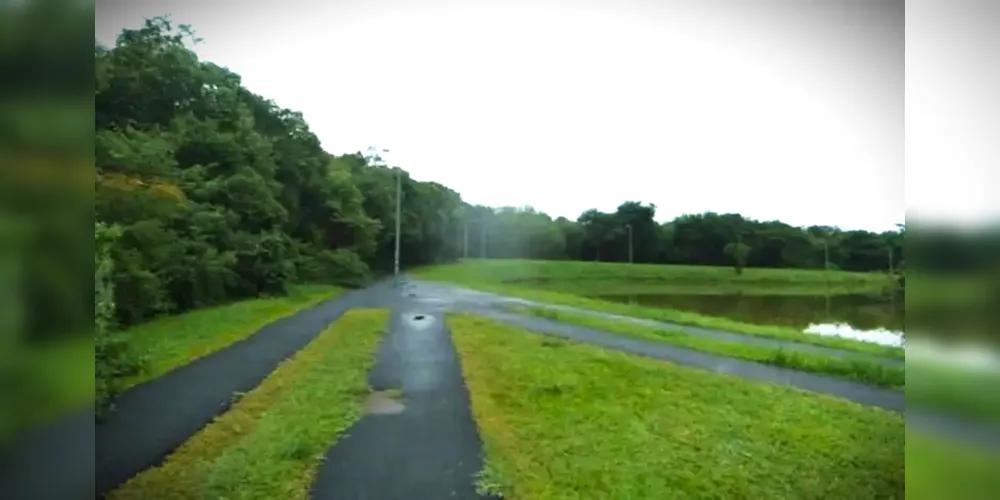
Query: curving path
x=154, y=418
x=464, y=297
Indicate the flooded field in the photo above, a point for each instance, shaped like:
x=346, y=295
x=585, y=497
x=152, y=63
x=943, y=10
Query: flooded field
x=872, y=318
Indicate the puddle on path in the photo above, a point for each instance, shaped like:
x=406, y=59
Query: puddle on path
x=384, y=403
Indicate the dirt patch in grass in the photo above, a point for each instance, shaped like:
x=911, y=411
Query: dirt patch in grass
x=270, y=442
x=584, y=422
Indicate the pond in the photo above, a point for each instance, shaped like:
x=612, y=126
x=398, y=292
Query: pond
x=864, y=317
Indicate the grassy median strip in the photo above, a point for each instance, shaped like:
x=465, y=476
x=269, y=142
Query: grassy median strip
x=174, y=341
x=566, y=420
x=862, y=370
x=270, y=442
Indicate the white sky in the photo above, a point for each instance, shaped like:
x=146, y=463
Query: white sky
x=952, y=105
x=789, y=110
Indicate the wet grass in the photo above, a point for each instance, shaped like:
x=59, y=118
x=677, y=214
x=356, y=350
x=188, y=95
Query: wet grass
x=578, y=421
x=174, y=341
x=937, y=469
x=269, y=444
x=855, y=368
x=445, y=274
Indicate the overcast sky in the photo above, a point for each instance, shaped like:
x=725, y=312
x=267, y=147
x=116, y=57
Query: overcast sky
x=776, y=109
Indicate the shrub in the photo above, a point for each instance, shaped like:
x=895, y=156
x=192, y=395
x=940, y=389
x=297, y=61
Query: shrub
x=113, y=359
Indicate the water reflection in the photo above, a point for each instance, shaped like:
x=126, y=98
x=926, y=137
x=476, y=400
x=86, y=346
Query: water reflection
x=864, y=317
x=879, y=336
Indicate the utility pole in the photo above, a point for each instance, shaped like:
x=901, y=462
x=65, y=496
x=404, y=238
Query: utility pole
x=826, y=253
x=629, y=226
x=482, y=236
x=465, y=239
x=399, y=195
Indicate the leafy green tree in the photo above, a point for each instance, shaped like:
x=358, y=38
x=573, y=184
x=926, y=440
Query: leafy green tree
x=738, y=252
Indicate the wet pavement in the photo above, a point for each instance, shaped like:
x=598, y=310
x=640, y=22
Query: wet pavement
x=154, y=418
x=419, y=442
x=464, y=299
x=427, y=449
x=457, y=299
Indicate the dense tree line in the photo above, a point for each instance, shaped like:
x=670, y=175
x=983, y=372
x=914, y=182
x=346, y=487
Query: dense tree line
x=221, y=194
x=207, y=193
x=632, y=233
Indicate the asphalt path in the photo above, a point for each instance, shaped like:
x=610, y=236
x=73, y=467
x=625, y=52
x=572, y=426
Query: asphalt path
x=154, y=418
x=425, y=446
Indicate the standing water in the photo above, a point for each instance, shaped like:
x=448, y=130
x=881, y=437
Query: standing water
x=870, y=318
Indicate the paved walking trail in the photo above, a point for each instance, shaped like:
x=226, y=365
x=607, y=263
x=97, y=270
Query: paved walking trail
x=425, y=445
x=425, y=448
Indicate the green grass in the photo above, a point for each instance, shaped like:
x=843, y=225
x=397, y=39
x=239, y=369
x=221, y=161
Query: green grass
x=53, y=379
x=600, y=278
x=568, y=421
x=937, y=469
x=475, y=279
x=269, y=444
x=856, y=368
x=174, y=341
x=959, y=389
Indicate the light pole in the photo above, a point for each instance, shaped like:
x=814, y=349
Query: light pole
x=629, y=226
x=482, y=236
x=465, y=239
x=399, y=195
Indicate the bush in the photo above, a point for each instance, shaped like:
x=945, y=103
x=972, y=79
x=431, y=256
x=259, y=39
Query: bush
x=113, y=359
x=341, y=267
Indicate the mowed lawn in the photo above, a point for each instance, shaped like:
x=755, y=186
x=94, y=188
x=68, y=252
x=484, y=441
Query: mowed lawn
x=937, y=469
x=861, y=369
x=269, y=444
x=510, y=278
x=570, y=421
x=173, y=341
x=609, y=278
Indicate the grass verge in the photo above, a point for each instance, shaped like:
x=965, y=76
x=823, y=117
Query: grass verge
x=270, y=442
x=965, y=390
x=174, y=341
x=938, y=469
x=52, y=379
x=662, y=314
x=564, y=420
x=862, y=370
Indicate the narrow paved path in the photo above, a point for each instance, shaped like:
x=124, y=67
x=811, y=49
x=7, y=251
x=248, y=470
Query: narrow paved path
x=467, y=298
x=952, y=427
x=428, y=445
x=860, y=393
x=154, y=418
x=428, y=449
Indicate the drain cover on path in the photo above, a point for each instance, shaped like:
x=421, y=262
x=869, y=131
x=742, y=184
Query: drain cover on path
x=384, y=403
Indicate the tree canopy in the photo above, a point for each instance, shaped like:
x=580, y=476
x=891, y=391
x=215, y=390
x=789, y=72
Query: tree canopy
x=220, y=194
